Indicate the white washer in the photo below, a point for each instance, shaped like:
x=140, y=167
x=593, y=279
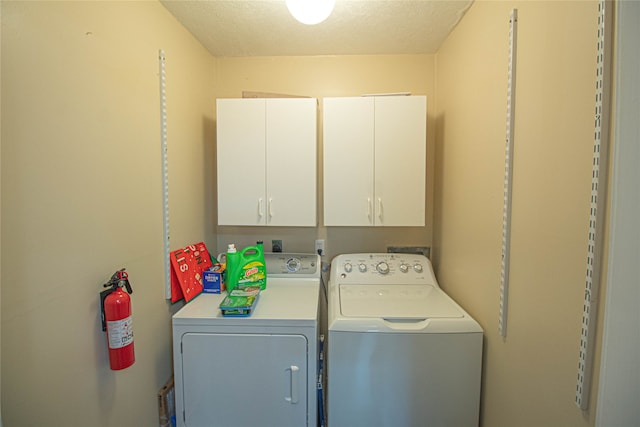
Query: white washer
x=252, y=371
x=401, y=352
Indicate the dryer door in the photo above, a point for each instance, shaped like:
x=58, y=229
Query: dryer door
x=244, y=380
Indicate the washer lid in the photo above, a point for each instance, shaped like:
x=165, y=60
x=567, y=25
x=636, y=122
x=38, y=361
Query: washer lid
x=396, y=302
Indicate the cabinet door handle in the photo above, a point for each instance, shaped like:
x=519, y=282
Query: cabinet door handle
x=270, y=208
x=260, y=207
x=293, y=385
x=380, y=209
x=369, y=209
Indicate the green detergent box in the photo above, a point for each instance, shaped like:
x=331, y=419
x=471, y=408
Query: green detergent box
x=240, y=302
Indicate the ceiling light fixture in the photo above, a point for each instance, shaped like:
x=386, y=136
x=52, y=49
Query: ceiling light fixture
x=310, y=12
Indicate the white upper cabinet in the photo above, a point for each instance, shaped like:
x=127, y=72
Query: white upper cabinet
x=374, y=161
x=267, y=161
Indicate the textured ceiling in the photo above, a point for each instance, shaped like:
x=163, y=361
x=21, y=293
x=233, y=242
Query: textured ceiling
x=356, y=27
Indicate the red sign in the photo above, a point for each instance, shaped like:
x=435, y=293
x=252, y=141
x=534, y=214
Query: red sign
x=187, y=267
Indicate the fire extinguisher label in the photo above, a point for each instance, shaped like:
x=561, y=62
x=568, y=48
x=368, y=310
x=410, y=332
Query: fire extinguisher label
x=120, y=332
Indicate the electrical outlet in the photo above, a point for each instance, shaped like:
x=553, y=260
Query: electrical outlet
x=320, y=247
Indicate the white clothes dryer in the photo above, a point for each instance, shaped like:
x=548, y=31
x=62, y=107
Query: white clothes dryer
x=252, y=371
x=400, y=351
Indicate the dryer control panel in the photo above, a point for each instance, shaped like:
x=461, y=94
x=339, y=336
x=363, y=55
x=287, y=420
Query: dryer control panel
x=382, y=268
x=292, y=264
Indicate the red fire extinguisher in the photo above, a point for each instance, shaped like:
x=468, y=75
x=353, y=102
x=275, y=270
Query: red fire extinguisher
x=117, y=320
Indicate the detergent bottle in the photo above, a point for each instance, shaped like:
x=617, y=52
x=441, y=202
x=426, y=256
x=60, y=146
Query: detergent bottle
x=246, y=268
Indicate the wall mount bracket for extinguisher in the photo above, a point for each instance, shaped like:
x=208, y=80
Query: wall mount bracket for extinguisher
x=119, y=279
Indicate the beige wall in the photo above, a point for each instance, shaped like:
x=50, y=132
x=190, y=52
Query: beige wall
x=81, y=197
x=529, y=377
x=328, y=76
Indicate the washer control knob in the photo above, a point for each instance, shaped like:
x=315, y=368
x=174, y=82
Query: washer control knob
x=417, y=268
x=382, y=267
x=404, y=268
x=293, y=264
x=362, y=267
x=348, y=267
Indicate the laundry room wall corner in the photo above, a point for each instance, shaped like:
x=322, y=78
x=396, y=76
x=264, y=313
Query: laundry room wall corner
x=529, y=377
x=81, y=198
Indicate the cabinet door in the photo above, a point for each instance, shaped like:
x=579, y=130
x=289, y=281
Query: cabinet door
x=291, y=161
x=244, y=380
x=400, y=160
x=348, y=161
x=241, y=161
